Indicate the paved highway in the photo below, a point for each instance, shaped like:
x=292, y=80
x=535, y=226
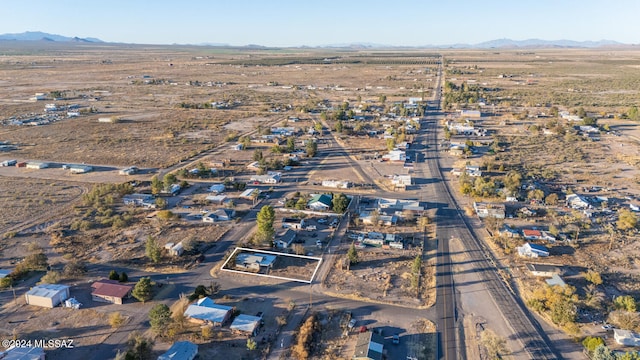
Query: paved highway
x=451, y=223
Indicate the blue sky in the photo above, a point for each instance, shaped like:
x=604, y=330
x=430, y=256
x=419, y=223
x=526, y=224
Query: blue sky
x=312, y=22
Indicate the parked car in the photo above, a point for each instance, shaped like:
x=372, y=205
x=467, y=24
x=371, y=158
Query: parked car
x=352, y=323
x=311, y=228
x=322, y=221
x=607, y=327
x=395, y=339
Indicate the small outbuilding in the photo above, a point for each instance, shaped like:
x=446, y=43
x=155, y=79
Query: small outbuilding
x=246, y=324
x=47, y=295
x=181, y=350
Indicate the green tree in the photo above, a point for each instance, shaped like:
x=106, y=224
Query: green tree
x=629, y=355
x=627, y=220
x=301, y=204
x=592, y=342
x=123, y=277
x=265, y=219
x=160, y=318
x=626, y=302
x=496, y=346
x=161, y=203
x=142, y=289
x=338, y=126
x=140, y=348
x=593, y=277
x=391, y=143
x=291, y=144
x=257, y=155
x=382, y=99
x=156, y=185
x=251, y=344
x=51, y=277
x=536, y=194
x=340, y=203
x=633, y=113
x=416, y=270
x=311, y=148
x=603, y=353
x=169, y=180
x=551, y=199
x=245, y=141
x=113, y=275
x=153, y=249
x=581, y=112
x=352, y=255
x=317, y=126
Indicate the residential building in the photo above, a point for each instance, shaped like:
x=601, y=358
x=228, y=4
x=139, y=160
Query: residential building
x=626, y=337
x=543, y=270
x=485, y=210
x=142, y=200
x=285, y=240
x=217, y=199
x=293, y=223
x=246, y=324
x=23, y=353
x=473, y=171
x=395, y=156
x=577, y=202
x=110, y=291
x=223, y=214
x=249, y=194
x=257, y=262
x=79, y=169
x=320, y=202
x=508, y=231
x=37, y=165
x=530, y=234
x=217, y=188
x=47, y=295
x=205, y=311
x=181, y=350
x=369, y=346
x=270, y=178
x=369, y=217
x=471, y=113
x=399, y=205
x=532, y=250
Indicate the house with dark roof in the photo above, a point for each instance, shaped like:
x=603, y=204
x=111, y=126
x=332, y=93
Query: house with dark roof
x=110, y=291
x=320, y=202
x=369, y=346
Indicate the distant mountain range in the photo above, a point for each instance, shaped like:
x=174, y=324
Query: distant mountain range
x=42, y=36
x=492, y=44
x=498, y=43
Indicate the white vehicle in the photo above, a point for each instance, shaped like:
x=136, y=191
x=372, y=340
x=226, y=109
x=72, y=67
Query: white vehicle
x=322, y=221
x=311, y=228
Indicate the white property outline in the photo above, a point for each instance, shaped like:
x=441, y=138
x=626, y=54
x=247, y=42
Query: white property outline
x=277, y=254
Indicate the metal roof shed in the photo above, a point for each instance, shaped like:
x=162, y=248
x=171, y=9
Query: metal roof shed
x=47, y=295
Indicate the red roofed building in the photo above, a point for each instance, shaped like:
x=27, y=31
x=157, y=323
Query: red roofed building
x=532, y=234
x=110, y=291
